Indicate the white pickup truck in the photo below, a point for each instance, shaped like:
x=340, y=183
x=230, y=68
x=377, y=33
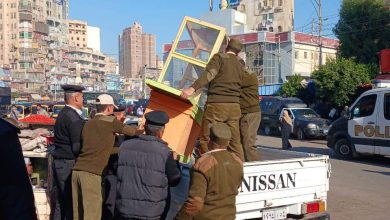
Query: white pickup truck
x=284, y=184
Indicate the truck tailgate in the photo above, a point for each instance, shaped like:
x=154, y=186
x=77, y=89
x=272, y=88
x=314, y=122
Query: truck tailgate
x=282, y=179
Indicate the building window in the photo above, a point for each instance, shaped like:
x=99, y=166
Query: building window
x=265, y=17
x=78, y=38
x=25, y=65
x=271, y=29
x=84, y=45
x=305, y=55
x=83, y=39
x=280, y=29
x=296, y=54
x=271, y=16
x=271, y=3
x=78, y=45
x=280, y=2
x=265, y=3
x=71, y=38
x=25, y=35
x=312, y=55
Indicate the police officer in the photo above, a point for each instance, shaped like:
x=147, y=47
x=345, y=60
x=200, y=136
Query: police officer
x=224, y=76
x=98, y=143
x=109, y=176
x=67, y=142
x=147, y=168
x=215, y=179
x=250, y=114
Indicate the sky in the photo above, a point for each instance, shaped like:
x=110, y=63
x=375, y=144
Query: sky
x=163, y=18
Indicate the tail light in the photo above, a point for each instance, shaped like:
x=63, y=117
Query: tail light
x=313, y=207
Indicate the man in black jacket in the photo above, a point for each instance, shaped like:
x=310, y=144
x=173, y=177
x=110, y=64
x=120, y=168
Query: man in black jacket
x=67, y=142
x=146, y=170
x=16, y=195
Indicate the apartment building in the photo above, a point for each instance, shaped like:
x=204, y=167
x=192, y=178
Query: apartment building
x=268, y=15
x=30, y=41
x=137, y=50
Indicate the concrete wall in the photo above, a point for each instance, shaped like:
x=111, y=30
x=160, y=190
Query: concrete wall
x=93, y=39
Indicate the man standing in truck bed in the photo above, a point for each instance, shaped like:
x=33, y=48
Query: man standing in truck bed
x=250, y=114
x=215, y=179
x=224, y=76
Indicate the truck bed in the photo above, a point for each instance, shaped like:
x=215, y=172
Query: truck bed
x=288, y=179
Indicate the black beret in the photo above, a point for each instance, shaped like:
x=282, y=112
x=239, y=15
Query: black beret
x=119, y=109
x=159, y=118
x=72, y=88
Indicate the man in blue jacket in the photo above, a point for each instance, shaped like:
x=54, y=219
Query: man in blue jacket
x=146, y=170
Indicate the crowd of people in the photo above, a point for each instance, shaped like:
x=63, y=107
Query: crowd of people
x=105, y=169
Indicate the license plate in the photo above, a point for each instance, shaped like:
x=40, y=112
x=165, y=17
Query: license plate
x=275, y=214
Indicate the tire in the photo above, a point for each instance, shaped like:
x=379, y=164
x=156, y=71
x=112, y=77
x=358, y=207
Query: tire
x=344, y=149
x=267, y=130
x=300, y=134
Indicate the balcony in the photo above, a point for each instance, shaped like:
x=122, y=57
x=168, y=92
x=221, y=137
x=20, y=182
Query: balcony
x=25, y=6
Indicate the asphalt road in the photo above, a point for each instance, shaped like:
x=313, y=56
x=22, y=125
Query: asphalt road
x=359, y=189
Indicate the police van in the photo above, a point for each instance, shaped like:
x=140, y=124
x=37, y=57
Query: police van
x=366, y=130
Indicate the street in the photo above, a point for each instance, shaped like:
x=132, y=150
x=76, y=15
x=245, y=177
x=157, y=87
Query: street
x=358, y=188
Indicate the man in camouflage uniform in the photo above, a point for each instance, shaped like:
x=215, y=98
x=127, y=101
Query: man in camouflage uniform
x=215, y=179
x=224, y=76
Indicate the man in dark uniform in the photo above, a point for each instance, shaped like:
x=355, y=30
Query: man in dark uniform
x=250, y=114
x=67, y=142
x=223, y=76
x=109, y=176
x=146, y=170
x=16, y=195
x=215, y=179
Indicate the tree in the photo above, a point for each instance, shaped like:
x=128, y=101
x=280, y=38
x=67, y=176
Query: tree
x=293, y=87
x=338, y=80
x=363, y=29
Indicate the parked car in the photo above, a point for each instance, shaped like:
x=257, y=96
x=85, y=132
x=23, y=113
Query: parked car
x=306, y=122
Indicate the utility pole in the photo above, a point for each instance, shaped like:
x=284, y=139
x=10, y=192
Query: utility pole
x=319, y=14
x=279, y=61
x=320, y=29
x=312, y=27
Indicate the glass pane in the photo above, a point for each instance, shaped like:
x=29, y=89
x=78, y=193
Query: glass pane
x=197, y=41
x=181, y=74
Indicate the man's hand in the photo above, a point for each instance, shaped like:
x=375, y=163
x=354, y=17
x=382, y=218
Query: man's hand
x=187, y=92
x=175, y=155
x=140, y=130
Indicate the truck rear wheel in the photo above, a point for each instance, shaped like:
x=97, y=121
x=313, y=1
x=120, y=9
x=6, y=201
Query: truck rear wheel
x=344, y=149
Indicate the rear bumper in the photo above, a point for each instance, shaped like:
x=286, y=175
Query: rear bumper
x=317, y=216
